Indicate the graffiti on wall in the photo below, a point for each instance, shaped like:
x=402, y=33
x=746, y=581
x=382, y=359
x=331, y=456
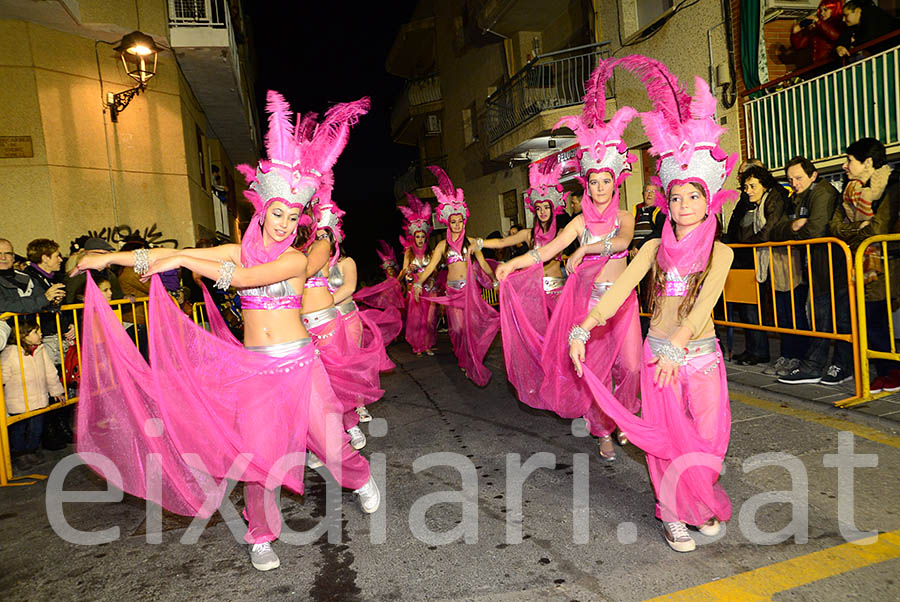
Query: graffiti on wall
x=118, y=234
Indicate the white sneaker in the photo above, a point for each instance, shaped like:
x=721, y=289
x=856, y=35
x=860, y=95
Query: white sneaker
x=263, y=557
x=364, y=415
x=711, y=527
x=369, y=496
x=313, y=461
x=678, y=537
x=357, y=438
x=429, y=352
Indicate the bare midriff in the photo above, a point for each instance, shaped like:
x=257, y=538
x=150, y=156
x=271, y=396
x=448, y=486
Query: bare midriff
x=271, y=326
x=553, y=269
x=456, y=271
x=316, y=298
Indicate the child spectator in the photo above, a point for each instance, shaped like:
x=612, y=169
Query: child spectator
x=42, y=382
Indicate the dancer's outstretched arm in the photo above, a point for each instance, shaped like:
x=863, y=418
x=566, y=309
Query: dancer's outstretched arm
x=430, y=268
x=547, y=252
x=509, y=241
x=290, y=264
x=619, y=243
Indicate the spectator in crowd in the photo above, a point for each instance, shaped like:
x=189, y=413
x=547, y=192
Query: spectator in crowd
x=820, y=31
x=754, y=340
x=20, y=262
x=19, y=293
x=5, y=329
x=519, y=249
x=133, y=318
x=871, y=200
x=648, y=219
x=92, y=246
x=865, y=22
x=41, y=382
x=814, y=203
x=575, y=204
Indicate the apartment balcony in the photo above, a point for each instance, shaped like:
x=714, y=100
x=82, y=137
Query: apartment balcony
x=202, y=37
x=412, y=53
x=819, y=117
x=522, y=112
x=507, y=17
x=420, y=98
x=417, y=179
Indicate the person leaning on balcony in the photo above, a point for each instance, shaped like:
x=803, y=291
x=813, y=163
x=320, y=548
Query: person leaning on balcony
x=865, y=22
x=820, y=31
x=814, y=203
x=870, y=203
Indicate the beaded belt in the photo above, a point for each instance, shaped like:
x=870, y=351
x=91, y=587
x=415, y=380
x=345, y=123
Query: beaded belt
x=456, y=285
x=553, y=283
x=317, y=318
x=280, y=349
x=599, y=290
x=347, y=307
x=696, y=348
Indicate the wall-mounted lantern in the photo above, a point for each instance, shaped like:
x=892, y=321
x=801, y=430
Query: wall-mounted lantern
x=139, y=54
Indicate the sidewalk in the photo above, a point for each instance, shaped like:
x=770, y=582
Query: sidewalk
x=882, y=413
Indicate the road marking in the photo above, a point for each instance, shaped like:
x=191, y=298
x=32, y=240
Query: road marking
x=761, y=584
x=839, y=424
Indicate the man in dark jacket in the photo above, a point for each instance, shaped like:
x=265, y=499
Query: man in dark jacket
x=814, y=202
x=18, y=291
x=865, y=22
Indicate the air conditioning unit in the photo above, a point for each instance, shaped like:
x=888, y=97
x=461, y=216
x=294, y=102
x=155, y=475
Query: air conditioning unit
x=432, y=125
x=789, y=9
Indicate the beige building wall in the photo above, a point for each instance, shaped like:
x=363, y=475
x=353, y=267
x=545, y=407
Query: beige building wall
x=88, y=173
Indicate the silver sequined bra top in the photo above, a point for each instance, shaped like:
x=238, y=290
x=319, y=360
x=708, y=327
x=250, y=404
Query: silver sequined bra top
x=587, y=238
x=280, y=295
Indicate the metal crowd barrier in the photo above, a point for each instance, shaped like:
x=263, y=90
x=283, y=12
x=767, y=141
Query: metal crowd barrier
x=491, y=296
x=6, y=470
x=866, y=354
x=742, y=287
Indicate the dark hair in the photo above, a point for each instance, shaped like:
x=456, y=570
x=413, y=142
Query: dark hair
x=133, y=244
x=39, y=247
x=807, y=165
x=760, y=173
x=868, y=148
x=26, y=324
x=857, y=4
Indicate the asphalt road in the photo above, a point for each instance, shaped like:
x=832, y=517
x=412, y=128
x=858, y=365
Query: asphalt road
x=461, y=519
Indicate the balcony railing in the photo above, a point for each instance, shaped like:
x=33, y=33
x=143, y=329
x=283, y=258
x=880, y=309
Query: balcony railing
x=197, y=13
x=415, y=96
x=549, y=81
x=820, y=117
x=417, y=176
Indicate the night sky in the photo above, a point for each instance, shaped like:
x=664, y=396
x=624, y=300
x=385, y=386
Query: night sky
x=324, y=53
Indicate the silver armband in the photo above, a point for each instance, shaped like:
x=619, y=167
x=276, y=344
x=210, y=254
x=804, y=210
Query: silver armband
x=141, y=261
x=534, y=254
x=579, y=334
x=225, y=276
x=672, y=353
x=607, y=248
x=479, y=244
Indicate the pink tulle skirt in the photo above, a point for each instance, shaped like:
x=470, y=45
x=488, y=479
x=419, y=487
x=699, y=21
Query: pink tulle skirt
x=207, y=410
x=613, y=353
x=421, y=324
x=684, y=429
x=473, y=325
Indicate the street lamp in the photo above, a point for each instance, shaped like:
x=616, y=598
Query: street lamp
x=139, y=54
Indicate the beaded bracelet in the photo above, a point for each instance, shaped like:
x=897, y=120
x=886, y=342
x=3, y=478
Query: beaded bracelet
x=579, y=334
x=479, y=244
x=225, y=276
x=141, y=261
x=672, y=353
x=533, y=253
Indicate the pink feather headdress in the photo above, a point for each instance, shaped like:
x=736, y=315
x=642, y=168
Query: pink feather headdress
x=387, y=256
x=545, y=187
x=450, y=200
x=683, y=133
x=298, y=156
x=602, y=147
x=601, y=142
x=418, y=219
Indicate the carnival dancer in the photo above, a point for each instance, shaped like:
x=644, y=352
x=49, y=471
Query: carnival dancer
x=354, y=372
x=473, y=323
x=546, y=200
x=551, y=382
x=205, y=409
x=421, y=314
x=685, y=420
x=384, y=299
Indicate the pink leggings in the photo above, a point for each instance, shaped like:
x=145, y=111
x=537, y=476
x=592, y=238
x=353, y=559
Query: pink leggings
x=328, y=441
